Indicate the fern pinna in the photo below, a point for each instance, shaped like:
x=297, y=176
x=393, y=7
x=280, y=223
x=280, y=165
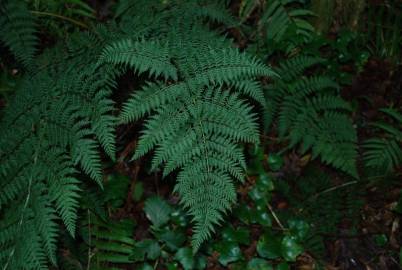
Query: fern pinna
x=196, y=113
x=311, y=114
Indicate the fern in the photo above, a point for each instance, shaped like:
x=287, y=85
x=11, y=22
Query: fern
x=111, y=242
x=17, y=30
x=384, y=154
x=312, y=115
x=284, y=22
x=57, y=120
x=194, y=123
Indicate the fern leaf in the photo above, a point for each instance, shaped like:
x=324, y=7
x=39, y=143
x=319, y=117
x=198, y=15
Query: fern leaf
x=141, y=56
x=17, y=30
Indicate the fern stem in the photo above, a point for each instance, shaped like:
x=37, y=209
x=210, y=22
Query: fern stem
x=43, y=13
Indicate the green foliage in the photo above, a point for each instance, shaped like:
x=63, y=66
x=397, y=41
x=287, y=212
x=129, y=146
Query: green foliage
x=311, y=114
x=109, y=242
x=282, y=27
x=50, y=128
x=199, y=98
x=194, y=120
x=58, y=18
x=157, y=211
x=17, y=30
x=383, y=30
x=322, y=204
x=384, y=153
x=281, y=17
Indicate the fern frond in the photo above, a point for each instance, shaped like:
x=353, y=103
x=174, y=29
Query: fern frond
x=195, y=122
x=286, y=18
x=17, y=30
x=112, y=242
x=385, y=153
x=58, y=119
x=311, y=114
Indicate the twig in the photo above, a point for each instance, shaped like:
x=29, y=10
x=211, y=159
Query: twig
x=42, y=13
x=276, y=217
x=333, y=188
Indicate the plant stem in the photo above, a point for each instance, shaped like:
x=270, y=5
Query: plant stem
x=42, y=13
x=276, y=217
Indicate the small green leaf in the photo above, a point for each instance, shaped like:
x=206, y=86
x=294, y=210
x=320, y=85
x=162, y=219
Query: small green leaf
x=146, y=249
x=256, y=194
x=242, y=212
x=200, y=262
x=275, y=162
x=173, y=239
x=298, y=228
x=157, y=211
x=145, y=266
x=239, y=235
x=185, y=257
x=290, y=248
x=115, y=190
x=283, y=266
x=269, y=246
x=265, y=182
x=238, y=266
x=172, y=266
x=138, y=191
x=179, y=218
x=381, y=239
x=264, y=219
x=259, y=264
x=228, y=252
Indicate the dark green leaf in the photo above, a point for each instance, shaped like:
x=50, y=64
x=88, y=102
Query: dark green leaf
x=265, y=182
x=172, y=266
x=179, y=218
x=228, y=252
x=185, y=257
x=157, y=211
x=242, y=212
x=269, y=246
x=290, y=248
x=239, y=235
x=259, y=264
x=283, y=266
x=116, y=189
x=257, y=195
x=145, y=266
x=173, y=239
x=138, y=191
x=146, y=249
x=298, y=228
x=264, y=218
x=275, y=162
x=381, y=239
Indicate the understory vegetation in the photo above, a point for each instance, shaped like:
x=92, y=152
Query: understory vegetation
x=200, y=134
